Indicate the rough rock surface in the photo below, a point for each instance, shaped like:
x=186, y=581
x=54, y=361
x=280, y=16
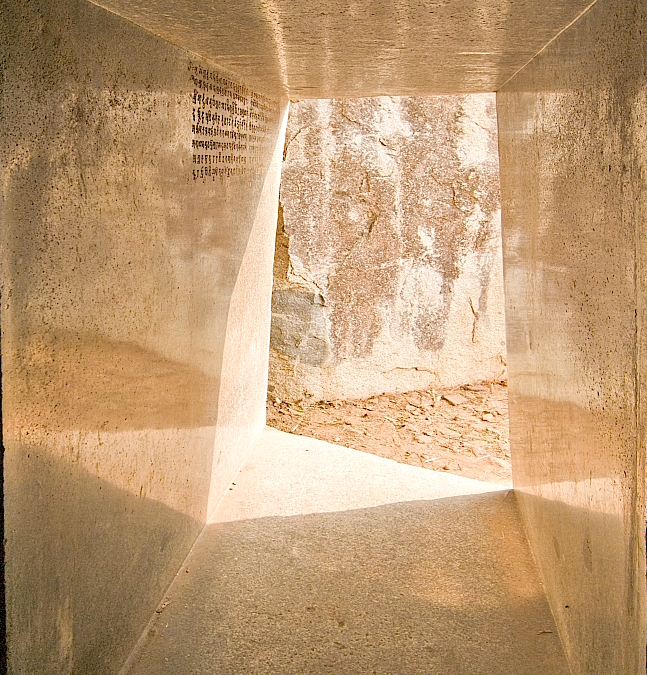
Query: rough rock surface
x=388, y=273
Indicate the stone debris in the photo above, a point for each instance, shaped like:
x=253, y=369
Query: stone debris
x=463, y=430
x=454, y=398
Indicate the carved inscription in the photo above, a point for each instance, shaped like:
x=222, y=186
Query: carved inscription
x=230, y=125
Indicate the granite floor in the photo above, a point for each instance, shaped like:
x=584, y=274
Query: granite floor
x=323, y=559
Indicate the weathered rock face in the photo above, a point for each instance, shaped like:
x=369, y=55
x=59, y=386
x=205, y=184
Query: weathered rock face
x=387, y=272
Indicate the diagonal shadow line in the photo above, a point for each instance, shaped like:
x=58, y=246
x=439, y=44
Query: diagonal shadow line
x=439, y=586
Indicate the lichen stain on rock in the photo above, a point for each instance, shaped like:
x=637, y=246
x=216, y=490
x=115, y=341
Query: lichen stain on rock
x=385, y=204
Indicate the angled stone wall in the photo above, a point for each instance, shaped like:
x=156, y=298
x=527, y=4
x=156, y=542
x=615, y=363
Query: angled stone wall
x=387, y=272
x=134, y=251
x=573, y=145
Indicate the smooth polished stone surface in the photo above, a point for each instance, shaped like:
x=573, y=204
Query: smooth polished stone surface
x=345, y=48
x=126, y=285
x=573, y=143
x=322, y=559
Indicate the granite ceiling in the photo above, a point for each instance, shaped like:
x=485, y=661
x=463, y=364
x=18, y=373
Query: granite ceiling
x=349, y=48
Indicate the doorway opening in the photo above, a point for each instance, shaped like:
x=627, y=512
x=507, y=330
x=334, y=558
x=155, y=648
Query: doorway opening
x=388, y=332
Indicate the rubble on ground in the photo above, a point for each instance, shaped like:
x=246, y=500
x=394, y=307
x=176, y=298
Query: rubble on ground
x=462, y=430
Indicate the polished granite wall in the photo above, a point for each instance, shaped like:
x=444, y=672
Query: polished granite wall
x=133, y=258
x=573, y=152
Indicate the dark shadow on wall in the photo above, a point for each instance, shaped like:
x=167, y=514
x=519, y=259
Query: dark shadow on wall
x=446, y=586
x=87, y=564
x=596, y=545
x=588, y=543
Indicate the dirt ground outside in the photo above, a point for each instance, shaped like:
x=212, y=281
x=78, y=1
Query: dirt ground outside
x=462, y=430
